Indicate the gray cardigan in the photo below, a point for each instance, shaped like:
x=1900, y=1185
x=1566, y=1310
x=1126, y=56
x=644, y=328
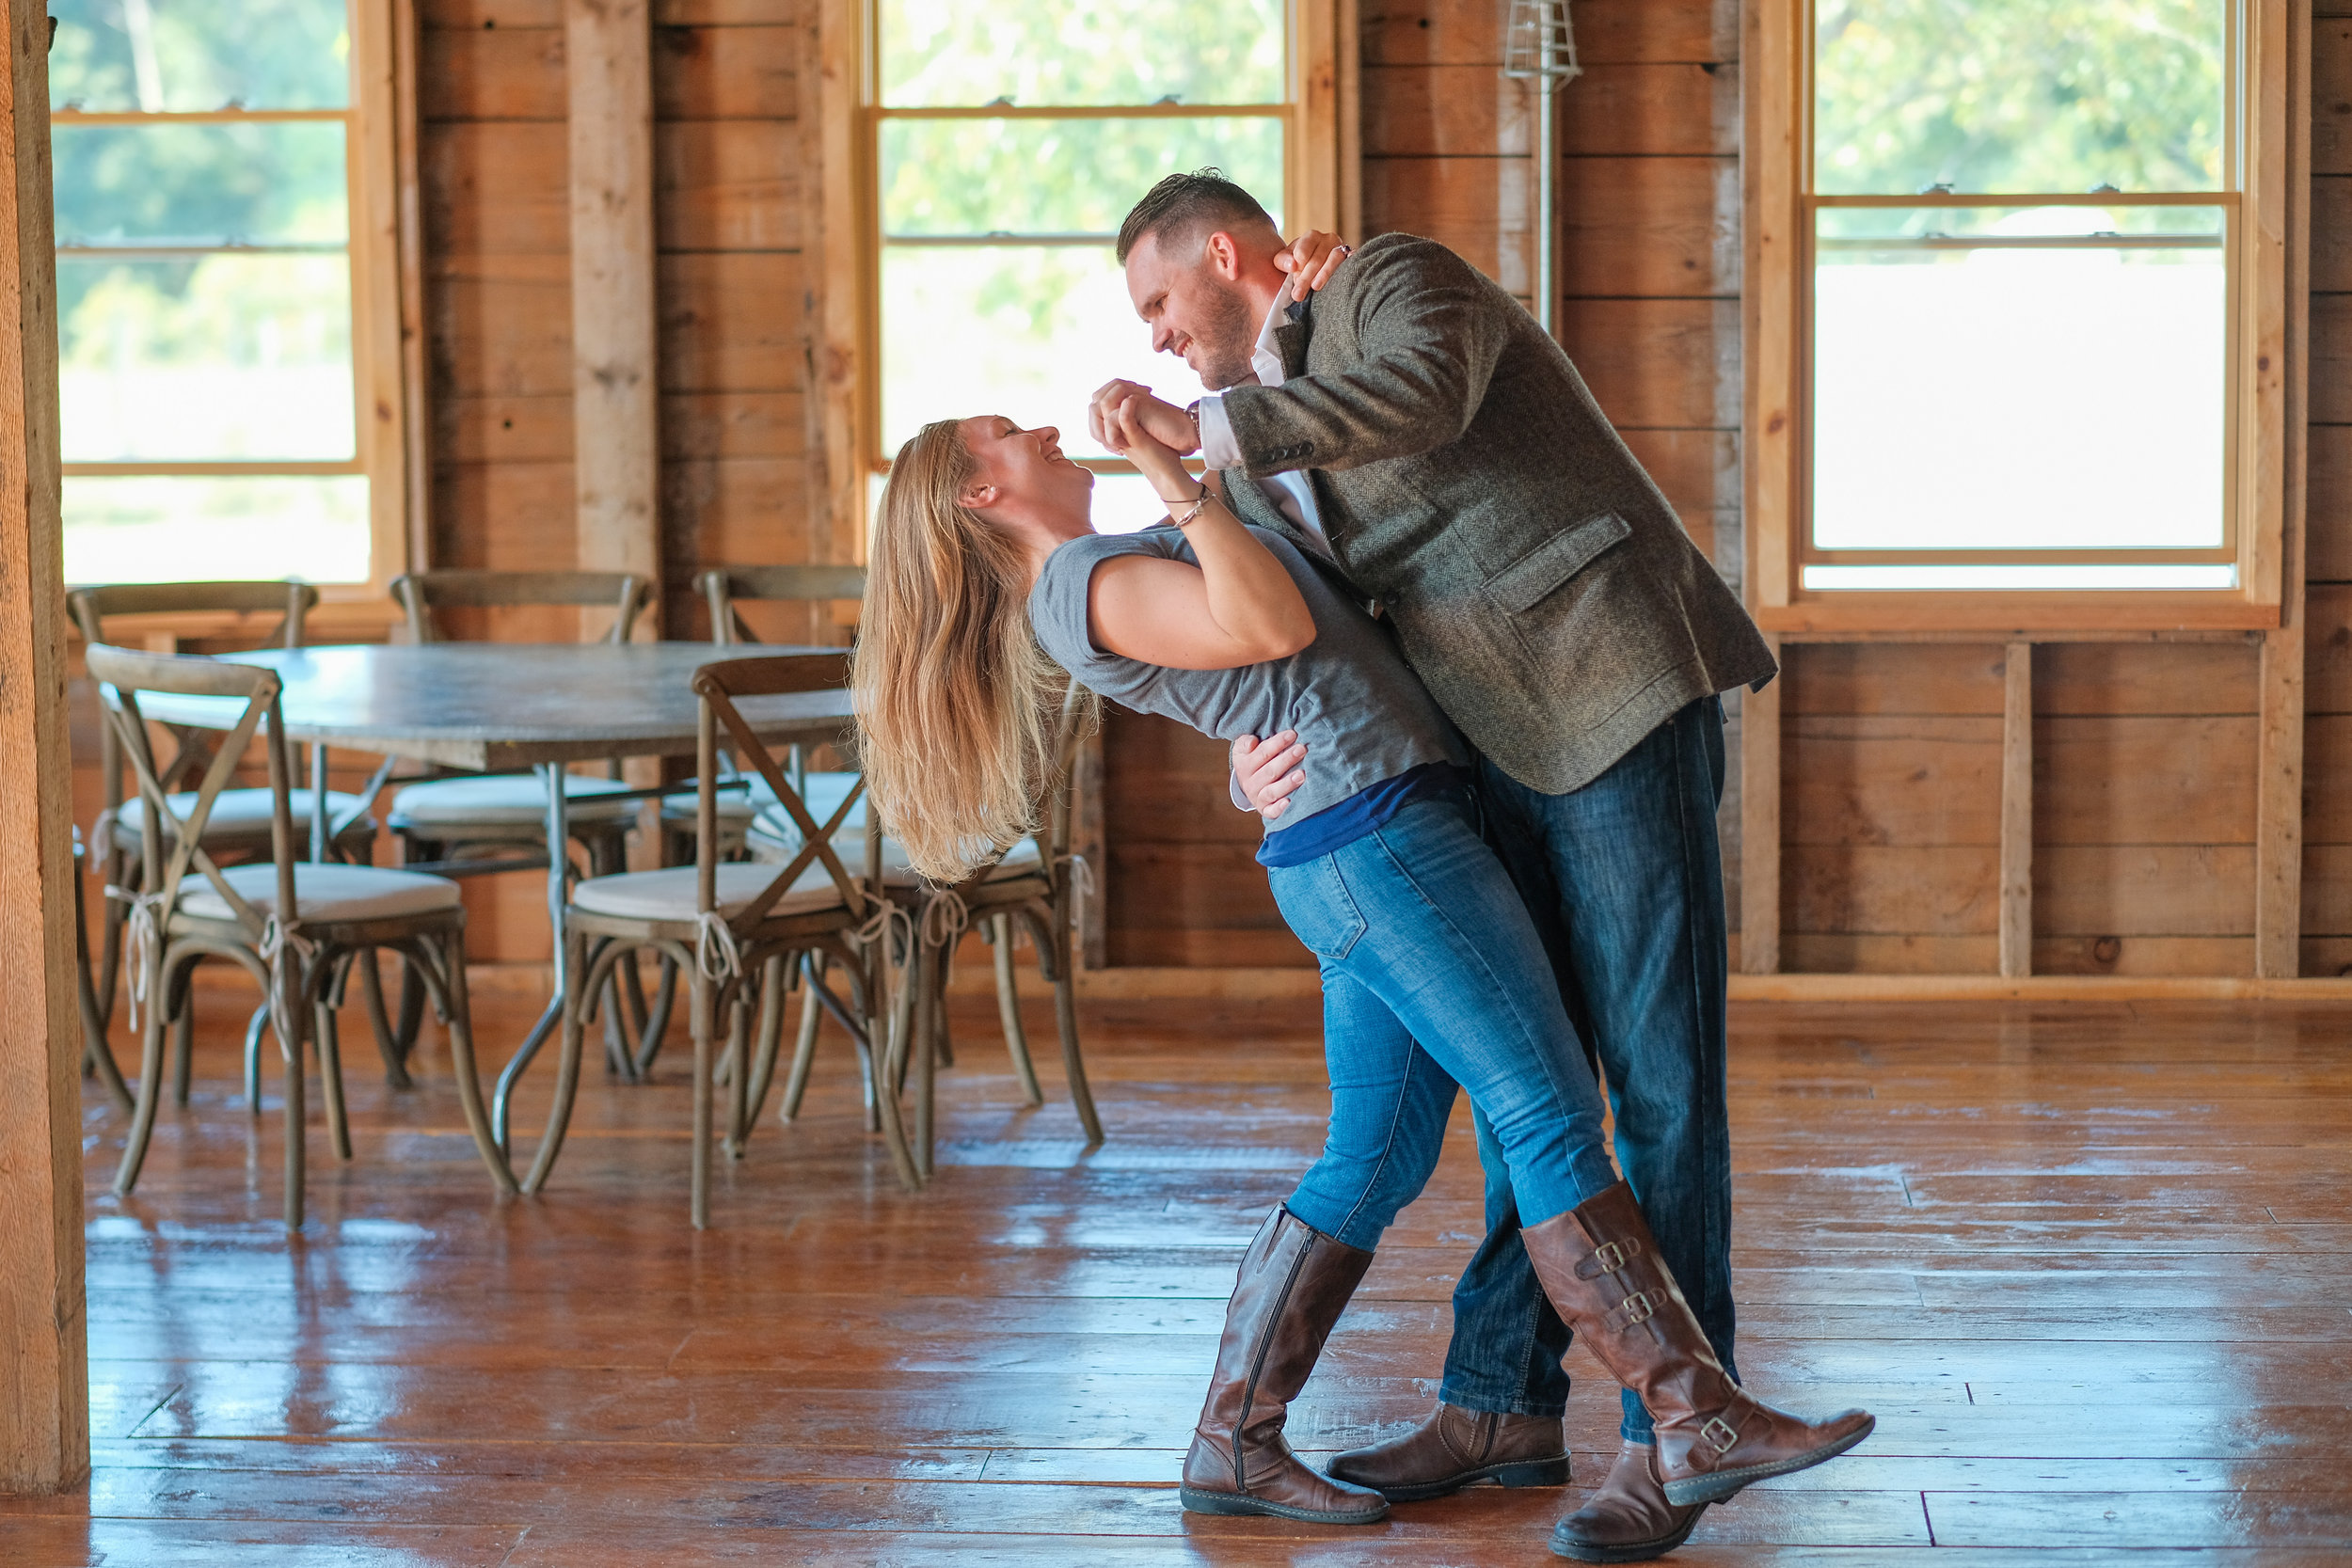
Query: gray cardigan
x=1539, y=580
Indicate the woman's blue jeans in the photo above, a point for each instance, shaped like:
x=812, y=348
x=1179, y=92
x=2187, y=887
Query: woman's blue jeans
x=1434, y=976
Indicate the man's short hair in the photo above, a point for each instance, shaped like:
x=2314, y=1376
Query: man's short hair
x=1184, y=204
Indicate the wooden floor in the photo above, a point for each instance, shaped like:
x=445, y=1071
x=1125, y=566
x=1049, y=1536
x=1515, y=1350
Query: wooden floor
x=2087, y=1264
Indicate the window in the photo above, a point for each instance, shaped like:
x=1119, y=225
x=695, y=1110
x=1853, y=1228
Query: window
x=1003, y=145
x=225, y=277
x=2031, y=263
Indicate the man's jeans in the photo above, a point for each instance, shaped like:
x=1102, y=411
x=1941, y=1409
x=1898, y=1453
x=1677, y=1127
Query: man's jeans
x=1624, y=878
x=1433, y=976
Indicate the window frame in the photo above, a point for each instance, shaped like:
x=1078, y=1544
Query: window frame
x=386, y=351
x=1322, y=190
x=1780, y=214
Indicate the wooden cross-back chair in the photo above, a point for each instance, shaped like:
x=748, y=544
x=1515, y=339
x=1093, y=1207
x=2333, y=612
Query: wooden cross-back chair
x=238, y=826
x=295, y=929
x=737, y=930
x=1036, y=882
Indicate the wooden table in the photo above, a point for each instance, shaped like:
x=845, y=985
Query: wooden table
x=503, y=706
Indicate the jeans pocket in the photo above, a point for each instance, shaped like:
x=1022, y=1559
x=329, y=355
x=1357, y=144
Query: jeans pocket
x=1317, y=906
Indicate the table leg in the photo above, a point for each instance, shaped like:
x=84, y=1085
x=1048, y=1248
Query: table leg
x=318, y=804
x=559, y=861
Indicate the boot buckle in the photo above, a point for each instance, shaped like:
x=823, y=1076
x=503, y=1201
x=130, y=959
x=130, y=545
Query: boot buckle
x=1608, y=1257
x=1718, y=1434
x=1636, y=1308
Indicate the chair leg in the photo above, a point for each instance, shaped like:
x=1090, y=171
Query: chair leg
x=765, y=1043
x=928, y=1010
x=411, y=1020
x=658, y=1018
x=330, y=1051
x=297, y=1095
x=461, y=1061
x=698, y=1007
x=1009, y=1012
x=182, y=1037
x=1066, y=1019
x=150, y=1090
x=804, y=1045
x=253, y=1027
x=98, y=1057
x=386, y=1042
x=740, y=1075
x=120, y=871
x=567, y=1070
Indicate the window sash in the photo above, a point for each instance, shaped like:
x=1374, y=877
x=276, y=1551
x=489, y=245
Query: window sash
x=1782, y=213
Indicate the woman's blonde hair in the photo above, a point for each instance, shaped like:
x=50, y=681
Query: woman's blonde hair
x=957, y=702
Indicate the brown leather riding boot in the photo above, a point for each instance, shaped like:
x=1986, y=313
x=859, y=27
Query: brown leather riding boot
x=1294, y=1283
x=1629, y=1519
x=1457, y=1447
x=1602, y=1272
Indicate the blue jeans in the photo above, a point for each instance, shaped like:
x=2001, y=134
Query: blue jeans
x=1433, y=976
x=1624, y=878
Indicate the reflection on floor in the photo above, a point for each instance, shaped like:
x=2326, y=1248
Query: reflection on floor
x=2087, y=1264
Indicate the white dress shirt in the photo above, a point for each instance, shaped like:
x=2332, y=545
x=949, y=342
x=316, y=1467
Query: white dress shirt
x=1291, y=493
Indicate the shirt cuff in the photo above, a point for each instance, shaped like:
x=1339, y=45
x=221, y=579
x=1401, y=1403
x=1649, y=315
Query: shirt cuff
x=1217, y=448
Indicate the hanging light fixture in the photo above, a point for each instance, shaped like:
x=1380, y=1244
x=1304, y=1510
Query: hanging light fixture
x=1539, y=45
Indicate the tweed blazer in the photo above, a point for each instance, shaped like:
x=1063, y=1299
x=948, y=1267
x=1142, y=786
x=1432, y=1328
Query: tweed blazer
x=1538, y=579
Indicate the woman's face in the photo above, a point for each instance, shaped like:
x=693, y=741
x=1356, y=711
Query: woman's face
x=1026, y=466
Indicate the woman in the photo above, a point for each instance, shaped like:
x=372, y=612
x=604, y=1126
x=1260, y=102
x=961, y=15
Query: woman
x=986, y=574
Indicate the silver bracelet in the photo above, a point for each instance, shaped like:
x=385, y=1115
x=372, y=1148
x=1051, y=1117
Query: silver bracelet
x=1198, y=502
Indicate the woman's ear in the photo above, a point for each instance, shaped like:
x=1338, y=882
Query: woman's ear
x=979, y=497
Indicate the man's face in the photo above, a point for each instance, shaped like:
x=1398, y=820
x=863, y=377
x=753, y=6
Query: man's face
x=1193, y=311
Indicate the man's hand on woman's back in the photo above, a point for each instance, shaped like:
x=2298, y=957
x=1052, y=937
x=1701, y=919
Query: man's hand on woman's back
x=1267, y=772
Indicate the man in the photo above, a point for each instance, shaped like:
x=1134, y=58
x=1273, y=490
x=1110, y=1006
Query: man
x=1413, y=426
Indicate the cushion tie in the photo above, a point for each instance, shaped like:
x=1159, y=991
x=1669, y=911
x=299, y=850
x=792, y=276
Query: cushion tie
x=277, y=936
x=1081, y=885
x=715, y=951
x=144, y=933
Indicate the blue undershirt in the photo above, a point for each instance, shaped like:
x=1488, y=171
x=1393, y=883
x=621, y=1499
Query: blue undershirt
x=1366, y=811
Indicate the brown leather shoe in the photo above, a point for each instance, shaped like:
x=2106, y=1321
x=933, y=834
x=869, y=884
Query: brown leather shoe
x=1629, y=1519
x=1602, y=1272
x=1457, y=1447
x=1295, y=1282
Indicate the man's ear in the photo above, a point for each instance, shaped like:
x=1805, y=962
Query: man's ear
x=1223, y=254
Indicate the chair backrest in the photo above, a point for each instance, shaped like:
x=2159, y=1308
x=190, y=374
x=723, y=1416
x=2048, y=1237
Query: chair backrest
x=122, y=675
x=720, y=687
x=421, y=594
x=292, y=601
x=721, y=586
x=91, y=606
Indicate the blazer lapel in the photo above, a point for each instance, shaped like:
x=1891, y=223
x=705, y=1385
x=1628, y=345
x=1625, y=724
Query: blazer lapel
x=1290, y=338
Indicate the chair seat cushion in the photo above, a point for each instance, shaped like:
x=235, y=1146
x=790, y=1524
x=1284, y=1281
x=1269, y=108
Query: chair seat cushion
x=773, y=838
x=822, y=794
x=322, y=893
x=241, y=813
x=669, y=895
x=505, y=799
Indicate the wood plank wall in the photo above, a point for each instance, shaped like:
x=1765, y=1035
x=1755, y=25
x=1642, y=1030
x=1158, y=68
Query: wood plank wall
x=2327, y=688
x=2144, y=754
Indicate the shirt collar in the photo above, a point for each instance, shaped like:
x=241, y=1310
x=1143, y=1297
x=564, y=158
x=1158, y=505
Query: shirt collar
x=1266, y=357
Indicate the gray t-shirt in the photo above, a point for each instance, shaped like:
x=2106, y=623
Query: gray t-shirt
x=1364, y=715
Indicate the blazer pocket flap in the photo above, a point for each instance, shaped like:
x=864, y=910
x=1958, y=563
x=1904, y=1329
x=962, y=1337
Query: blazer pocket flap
x=1518, y=586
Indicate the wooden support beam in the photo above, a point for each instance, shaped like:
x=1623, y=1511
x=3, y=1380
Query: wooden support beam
x=2017, y=812
x=44, y=1366
x=842, y=401
x=2278, y=789
x=1759, y=826
x=616, y=404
